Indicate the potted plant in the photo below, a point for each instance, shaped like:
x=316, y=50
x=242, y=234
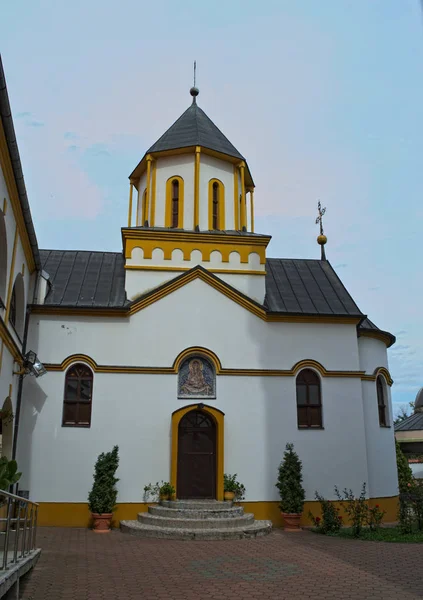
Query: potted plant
x=167, y=491
x=290, y=489
x=233, y=489
x=103, y=495
x=8, y=475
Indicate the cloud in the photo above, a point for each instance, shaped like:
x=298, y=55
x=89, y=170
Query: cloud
x=341, y=266
x=22, y=115
x=70, y=135
x=34, y=124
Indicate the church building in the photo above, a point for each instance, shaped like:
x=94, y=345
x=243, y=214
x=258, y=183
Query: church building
x=190, y=348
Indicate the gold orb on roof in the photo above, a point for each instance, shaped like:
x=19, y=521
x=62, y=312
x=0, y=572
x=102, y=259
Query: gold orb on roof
x=322, y=239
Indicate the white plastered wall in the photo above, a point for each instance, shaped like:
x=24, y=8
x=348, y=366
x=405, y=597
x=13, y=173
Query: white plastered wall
x=134, y=411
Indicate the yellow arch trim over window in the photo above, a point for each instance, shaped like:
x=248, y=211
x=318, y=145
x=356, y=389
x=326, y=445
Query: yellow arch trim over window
x=218, y=417
x=221, y=205
x=168, y=212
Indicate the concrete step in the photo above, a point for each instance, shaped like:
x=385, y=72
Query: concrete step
x=189, y=513
x=182, y=523
x=196, y=504
x=258, y=528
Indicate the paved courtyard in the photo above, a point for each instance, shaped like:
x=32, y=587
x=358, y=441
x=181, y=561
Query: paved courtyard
x=77, y=564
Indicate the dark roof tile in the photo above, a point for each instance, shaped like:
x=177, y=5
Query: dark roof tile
x=412, y=423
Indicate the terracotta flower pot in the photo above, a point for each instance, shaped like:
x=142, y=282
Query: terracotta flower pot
x=291, y=521
x=229, y=496
x=164, y=497
x=102, y=522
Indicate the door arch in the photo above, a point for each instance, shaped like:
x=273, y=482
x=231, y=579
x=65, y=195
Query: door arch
x=197, y=442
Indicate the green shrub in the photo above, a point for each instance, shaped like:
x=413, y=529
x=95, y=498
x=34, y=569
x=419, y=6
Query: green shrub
x=330, y=521
x=231, y=484
x=289, y=482
x=405, y=474
x=103, y=495
x=355, y=507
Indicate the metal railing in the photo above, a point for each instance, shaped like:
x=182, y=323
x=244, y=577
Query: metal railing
x=18, y=528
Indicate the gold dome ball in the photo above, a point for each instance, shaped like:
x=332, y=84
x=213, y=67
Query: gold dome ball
x=322, y=239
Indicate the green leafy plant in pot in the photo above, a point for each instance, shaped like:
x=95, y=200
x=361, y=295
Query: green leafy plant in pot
x=8, y=475
x=233, y=489
x=290, y=489
x=103, y=495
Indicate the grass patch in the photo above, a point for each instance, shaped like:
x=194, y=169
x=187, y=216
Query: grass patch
x=385, y=534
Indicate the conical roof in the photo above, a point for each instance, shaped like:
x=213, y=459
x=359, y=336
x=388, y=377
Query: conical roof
x=194, y=128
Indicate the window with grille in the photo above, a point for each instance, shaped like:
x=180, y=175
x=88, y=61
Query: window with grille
x=78, y=397
x=175, y=203
x=215, y=200
x=12, y=314
x=309, y=400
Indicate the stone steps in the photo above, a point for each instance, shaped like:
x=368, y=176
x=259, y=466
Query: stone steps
x=258, y=528
x=190, y=513
x=196, y=520
x=202, y=523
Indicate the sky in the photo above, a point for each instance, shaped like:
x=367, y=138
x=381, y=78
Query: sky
x=324, y=99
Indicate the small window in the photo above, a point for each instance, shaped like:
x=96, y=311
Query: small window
x=309, y=400
x=215, y=219
x=175, y=203
x=78, y=397
x=12, y=314
x=381, y=401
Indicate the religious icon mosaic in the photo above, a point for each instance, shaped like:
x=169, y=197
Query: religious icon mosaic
x=196, y=378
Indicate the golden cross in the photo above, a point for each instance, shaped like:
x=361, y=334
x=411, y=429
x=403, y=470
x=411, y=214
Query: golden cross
x=319, y=219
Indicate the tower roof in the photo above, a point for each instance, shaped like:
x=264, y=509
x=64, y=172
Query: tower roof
x=194, y=128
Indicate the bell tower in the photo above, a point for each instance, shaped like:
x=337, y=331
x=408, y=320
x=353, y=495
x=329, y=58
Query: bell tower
x=191, y=203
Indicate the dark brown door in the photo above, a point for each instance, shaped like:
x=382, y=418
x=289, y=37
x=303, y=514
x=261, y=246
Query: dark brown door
x=196, y=456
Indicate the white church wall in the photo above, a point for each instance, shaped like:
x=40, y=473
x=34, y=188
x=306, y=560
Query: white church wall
x=380, y=444
x=372, y=354
x=195, y=315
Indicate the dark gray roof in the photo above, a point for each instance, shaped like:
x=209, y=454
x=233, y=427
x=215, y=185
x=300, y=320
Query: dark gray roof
x=309, y=287
x=368, y=325
x=85, y=279
x=12, y=144
x=194, y=128
x=412, y=423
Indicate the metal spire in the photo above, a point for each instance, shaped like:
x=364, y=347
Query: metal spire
x=194, y=91
x=321, y=239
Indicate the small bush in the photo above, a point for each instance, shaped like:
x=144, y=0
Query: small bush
x=410, y=512
x=330, y=521
x=289, y=482
x=375, y=517
x=103, y=495
x=356, y=508
x=405, y=474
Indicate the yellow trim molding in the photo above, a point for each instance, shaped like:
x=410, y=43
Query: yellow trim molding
x=11, y=275
x=9, y=342
x=214, y=359
x=147, y=198
x=183, y=269
x=1, y=354
x=153, y=195
x=6, y=167
x=252, y=210
x=218, y=418
x=236, y=199
x=168, y=210
x=4, y=206
x=379, y=371
x=131, y=190
x=77, y=514
x=243, y=204
x=220, y=205
x=168, y=241
x=197, y=187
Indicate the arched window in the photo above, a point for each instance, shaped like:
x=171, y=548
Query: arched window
x=174, y=216
x=3, y=260
x=216, y=205
x=309, y=400
x=78, y=397
x=175, y=203
x=17, y=306
x=381, y=401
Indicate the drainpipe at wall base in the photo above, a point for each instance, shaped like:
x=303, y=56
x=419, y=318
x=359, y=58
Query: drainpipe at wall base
x=20, y=387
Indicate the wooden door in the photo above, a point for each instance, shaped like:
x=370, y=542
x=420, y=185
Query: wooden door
x=196, y=456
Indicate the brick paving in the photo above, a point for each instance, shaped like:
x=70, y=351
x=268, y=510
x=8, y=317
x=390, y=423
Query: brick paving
x=77, y=564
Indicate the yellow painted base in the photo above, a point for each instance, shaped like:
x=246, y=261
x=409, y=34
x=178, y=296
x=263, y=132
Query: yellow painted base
x=76, y=514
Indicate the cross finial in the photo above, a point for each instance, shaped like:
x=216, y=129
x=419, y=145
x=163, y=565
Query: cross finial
x=321, y=239
x=194, y=91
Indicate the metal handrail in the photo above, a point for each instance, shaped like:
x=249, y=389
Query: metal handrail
x=21, y=527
